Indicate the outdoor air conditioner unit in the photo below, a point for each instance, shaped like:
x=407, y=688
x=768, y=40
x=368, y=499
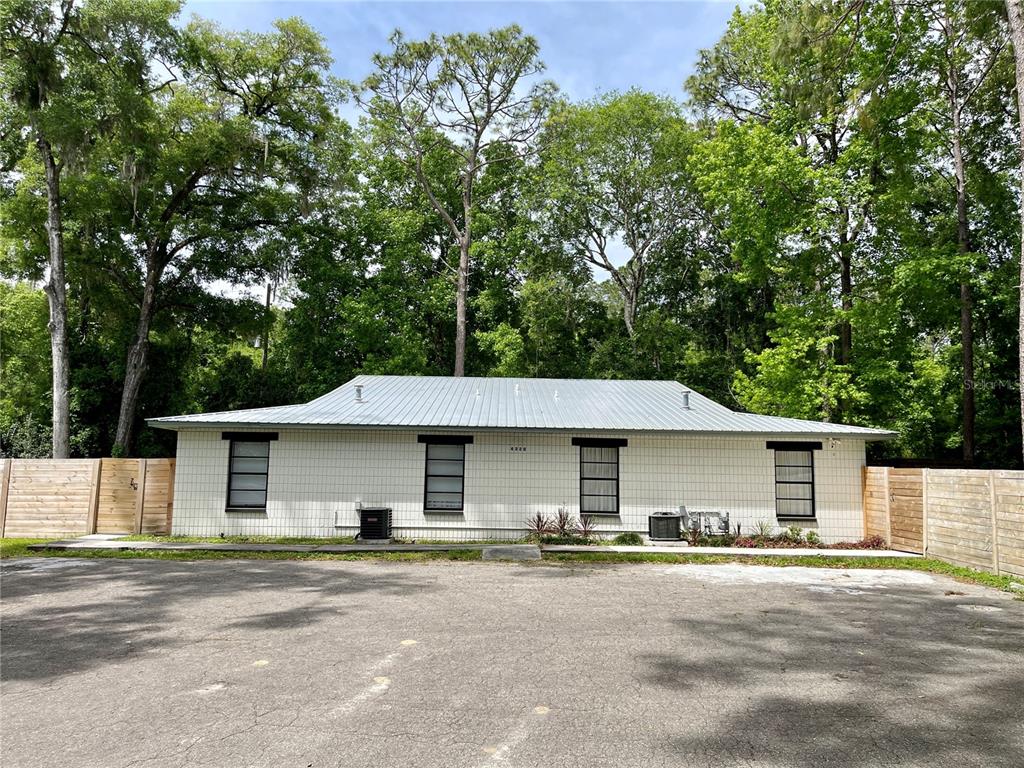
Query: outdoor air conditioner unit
x=664, y=526
x=375, y=523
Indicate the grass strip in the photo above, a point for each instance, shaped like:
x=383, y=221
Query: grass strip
x=14, y=548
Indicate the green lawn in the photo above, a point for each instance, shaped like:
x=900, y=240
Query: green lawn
x=17, y=547
x=243, y=539
x=11, y=548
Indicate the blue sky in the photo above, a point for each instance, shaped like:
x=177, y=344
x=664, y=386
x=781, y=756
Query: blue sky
x=589, y=47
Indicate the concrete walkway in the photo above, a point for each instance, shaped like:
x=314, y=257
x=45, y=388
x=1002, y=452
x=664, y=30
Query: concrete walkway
x=491, y=551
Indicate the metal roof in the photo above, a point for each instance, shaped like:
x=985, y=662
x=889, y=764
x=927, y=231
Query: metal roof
x=444, y=402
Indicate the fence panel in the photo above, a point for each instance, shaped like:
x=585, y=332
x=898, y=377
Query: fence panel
x=1008, y=492
x=876, y=510
x=72, y=497
x=48, y=498
x=960, y=517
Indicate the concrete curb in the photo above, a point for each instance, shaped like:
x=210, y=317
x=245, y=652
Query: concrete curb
x=742, y=551
x=160, y=546
x=512, y=552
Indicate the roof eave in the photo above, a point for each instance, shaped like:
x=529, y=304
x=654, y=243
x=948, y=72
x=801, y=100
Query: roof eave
x=178, y=426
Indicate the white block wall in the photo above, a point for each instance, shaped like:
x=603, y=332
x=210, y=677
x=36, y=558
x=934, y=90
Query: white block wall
x=318, y=476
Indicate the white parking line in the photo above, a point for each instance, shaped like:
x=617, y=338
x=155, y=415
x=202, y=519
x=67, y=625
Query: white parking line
x=378, y=687
x=515, y=736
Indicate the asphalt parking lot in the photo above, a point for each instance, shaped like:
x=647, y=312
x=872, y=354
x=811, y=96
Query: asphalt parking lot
x=283, y=663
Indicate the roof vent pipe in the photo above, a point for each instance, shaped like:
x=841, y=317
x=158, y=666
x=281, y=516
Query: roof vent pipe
x=359, y=393
x=686, y=400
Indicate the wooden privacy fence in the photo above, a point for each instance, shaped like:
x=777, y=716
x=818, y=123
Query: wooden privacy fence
x=972, y=517
x=73, y=497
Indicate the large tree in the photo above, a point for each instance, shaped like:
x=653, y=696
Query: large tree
x=1015, y=14
x=961, y=45
x=472, y=96
x=212, y=179
x=613, y=173
x=69, y=73
x=824, y=78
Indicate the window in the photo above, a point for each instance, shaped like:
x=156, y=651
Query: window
x=444, y=487
x=794, y=479
x=248, y=467
x=599, y=475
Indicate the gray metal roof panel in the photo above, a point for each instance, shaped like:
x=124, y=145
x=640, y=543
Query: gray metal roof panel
x=444, y=402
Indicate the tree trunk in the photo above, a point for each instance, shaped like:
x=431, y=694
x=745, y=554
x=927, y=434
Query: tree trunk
x=1015, y=12
x=963, y=234
x=629, y=304
x=266, y=333
x=461, y=289
x=845, y=293
x=56, y=294
x=135, y=367
x=462, y=285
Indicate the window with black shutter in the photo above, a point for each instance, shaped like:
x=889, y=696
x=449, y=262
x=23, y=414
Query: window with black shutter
x=599, y=475
x=444, y=484
x=794, y=480
x=247, y=474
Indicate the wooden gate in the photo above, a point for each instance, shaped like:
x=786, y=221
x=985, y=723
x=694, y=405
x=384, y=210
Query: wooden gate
x=906, y=509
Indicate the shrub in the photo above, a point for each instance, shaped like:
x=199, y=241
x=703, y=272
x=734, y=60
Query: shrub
x=587, y=528
x=763, y=529
x=746, y=542
x=794, y=533
x=539, y=526
x=813, y=538
x=564, y=524
x=629, y=539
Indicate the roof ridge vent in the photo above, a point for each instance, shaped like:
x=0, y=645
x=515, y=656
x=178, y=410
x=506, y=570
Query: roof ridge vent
x=359, y=393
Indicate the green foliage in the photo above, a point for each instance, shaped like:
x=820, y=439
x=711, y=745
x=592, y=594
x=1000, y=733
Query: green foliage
x=791, y=249
x=24, y=354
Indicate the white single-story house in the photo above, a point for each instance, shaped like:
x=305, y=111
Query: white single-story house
x=474, y=458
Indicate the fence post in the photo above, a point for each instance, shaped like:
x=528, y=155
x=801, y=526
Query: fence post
x=924, y=511
x=94, y=498
x=5, y=484
x=888, y=513
x=170, y=494
x=864, y=498
x=140, y=499
x=995, y=526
